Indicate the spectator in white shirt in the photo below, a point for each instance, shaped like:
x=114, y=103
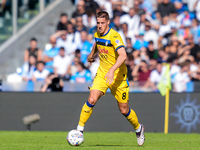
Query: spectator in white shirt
x=66, y=40
x=61, y=64
x=72, y=37
x=164, y=29
x=143, y=19
x=125, y=33
x=190, y=4
x=150, y=34
x=182, y=78
x=174, y=69
x=61, y=38
x=132, y=19
x=155, y=77
x=106, y=5
x=197, y=9
x=29, y=68
x=41, y=73
x=89, y=19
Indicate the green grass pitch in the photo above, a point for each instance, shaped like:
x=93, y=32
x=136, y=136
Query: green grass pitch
x=22, y=140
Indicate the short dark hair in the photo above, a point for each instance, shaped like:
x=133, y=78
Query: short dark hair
x=151, y=42
x=32, y=55
x=63, y=14
x=41, y=62
x=50, y=74
x=78, y=16
x=130, y=57
x=102, y=14
x=62, y=48
x=144, y=61
x=128, y=38
x=185, y=63
x=77, y=51
x=124, y=23
x=33, y=39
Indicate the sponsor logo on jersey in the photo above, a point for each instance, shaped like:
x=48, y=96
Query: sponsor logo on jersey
x=102, y=50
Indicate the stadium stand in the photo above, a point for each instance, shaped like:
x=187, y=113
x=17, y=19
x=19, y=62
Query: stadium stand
x=40, y=27
x=158, y=32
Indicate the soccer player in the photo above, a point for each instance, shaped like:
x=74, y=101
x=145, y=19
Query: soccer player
x=112, y=73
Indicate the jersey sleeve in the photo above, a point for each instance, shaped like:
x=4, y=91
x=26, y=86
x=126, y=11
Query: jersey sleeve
x=117, y=41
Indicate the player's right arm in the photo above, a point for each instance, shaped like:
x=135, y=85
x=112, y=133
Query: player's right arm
x=93, y=52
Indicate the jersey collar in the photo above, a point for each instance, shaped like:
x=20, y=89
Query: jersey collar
x=106, y=32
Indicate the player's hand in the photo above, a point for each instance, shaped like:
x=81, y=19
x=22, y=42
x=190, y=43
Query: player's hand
x=109, y=77
x=90, y=59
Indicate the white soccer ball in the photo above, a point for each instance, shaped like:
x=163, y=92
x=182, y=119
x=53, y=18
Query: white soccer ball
x=75, y=138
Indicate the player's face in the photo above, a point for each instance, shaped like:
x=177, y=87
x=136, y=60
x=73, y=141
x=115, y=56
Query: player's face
x=102, y=25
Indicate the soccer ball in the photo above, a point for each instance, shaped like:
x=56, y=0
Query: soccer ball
x=75, y=138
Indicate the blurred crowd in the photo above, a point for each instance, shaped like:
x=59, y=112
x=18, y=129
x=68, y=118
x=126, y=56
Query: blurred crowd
x=154, y=32
x=22, y=7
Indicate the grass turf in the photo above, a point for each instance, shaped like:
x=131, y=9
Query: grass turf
x=20, y=140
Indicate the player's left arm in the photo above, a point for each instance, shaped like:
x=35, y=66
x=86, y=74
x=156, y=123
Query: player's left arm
x=121, y=58
x=92, y=53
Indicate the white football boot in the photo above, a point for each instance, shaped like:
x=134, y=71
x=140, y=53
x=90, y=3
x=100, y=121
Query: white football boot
x=140, y=136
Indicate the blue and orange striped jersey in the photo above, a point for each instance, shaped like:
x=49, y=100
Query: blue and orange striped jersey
x=107, y=46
